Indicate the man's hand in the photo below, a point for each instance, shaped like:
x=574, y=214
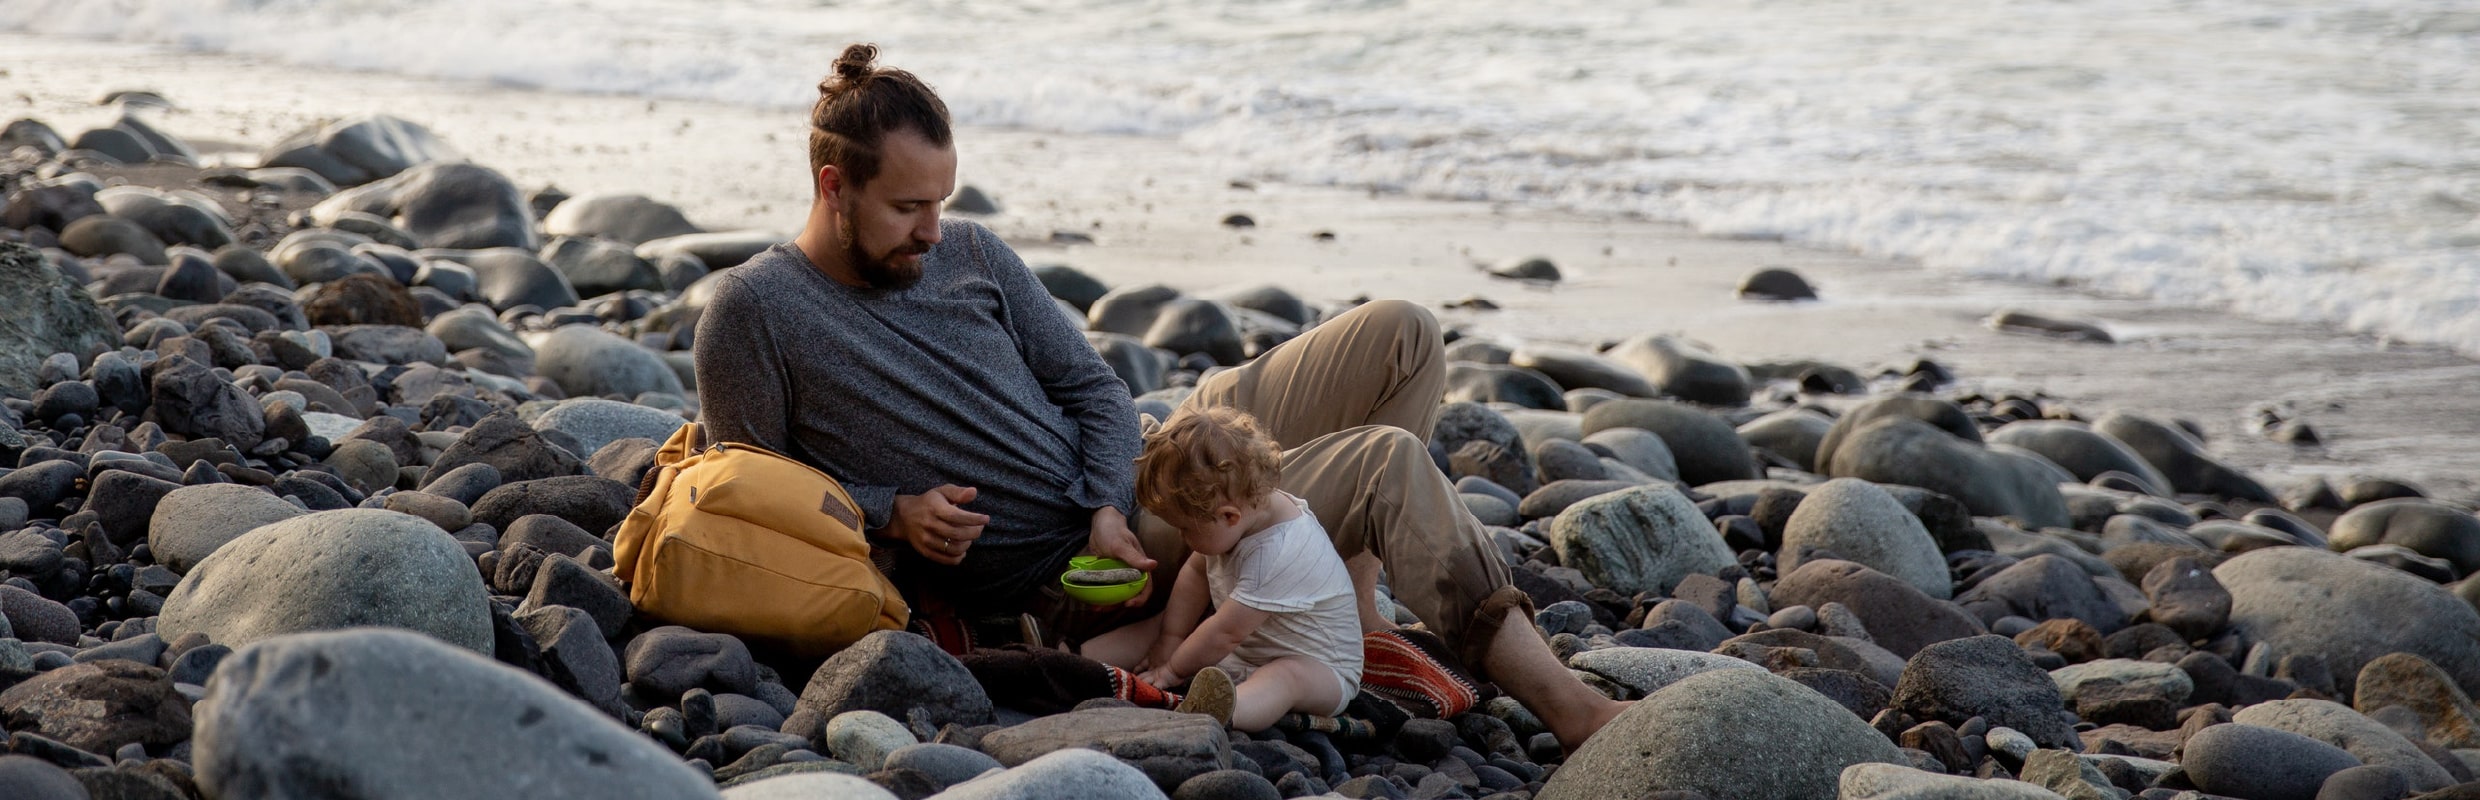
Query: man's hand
x=936, y=524
x=1110, y=537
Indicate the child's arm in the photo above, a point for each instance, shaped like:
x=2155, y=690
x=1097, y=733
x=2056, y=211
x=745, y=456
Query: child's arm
x=1217, y=637
x=1181, y=615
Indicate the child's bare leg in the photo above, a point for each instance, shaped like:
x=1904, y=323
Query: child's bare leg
x=1364, y=570
x=1282, y=686
x=1125, y=645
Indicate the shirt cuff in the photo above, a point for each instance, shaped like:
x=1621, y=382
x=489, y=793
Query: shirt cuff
x=878, y=505
x=1086, y=496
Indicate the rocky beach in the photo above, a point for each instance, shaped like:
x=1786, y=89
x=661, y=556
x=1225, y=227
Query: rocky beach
x=315, y=430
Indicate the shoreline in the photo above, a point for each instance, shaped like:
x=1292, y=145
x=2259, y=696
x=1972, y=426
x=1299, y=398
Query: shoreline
x=1153, y=207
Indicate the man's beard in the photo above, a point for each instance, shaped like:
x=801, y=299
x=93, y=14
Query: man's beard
x=882, y=272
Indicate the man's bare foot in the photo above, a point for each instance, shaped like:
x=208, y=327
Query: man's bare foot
x=1580, y=726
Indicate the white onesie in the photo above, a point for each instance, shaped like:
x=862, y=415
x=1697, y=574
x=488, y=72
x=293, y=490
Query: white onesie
x=1291, y=570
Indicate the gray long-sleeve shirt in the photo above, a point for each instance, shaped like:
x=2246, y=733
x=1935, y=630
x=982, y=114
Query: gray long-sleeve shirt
x=972, y=376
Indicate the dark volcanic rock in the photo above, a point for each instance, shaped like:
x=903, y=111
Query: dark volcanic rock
x=1898, y=617
x=669, y=661
x=898, y=674
x=1777, y=284
x=363, y=299
x=591, y=502
x=2044, y=587
x=509, y=447
x=99, y=706
x=190, y=400
x=1987, y=677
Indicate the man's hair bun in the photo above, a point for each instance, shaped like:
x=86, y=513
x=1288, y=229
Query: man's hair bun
x=855, y=66
x=858, y=103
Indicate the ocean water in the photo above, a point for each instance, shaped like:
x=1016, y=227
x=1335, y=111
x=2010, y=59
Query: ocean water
x=2308, y=160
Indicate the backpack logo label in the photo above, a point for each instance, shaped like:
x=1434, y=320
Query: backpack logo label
x=836, y=508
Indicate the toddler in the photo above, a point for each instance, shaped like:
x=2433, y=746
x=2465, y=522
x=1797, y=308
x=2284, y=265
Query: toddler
x=1263, y=601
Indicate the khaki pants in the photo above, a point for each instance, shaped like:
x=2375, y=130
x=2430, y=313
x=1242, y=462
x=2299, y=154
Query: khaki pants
x=1353, y=402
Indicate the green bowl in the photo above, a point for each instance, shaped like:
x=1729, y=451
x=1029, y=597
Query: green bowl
x=1100, y=595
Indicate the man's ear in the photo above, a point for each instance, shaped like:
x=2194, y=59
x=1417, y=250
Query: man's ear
x=830, y=183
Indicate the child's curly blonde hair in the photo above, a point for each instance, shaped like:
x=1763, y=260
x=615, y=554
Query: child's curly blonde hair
x=1201, y=460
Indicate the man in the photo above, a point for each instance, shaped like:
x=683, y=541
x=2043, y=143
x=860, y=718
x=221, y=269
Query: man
x=921, y=363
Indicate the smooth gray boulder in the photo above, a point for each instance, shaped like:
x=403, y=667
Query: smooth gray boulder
x=44, y=312
x=193, y=521
x=2252, y=761
x=332, y=570
x=1065, y=773
x=357, y=150
x=384, y=714
x=1576, y=369
x=1890, y=782
x=2348, y=612
x=1727, y=734
x=1640, y=539
x=808, y=786
x=2182, y=459
x=1645, y=670
x=587, y=361
x=601, y=266
x=1860, y=523
x=1167, y=746
x=1937, y=411
x=1685, y=370
x=507, y=277
x=594, y=422
x=1792, y=433
x=2080, y=450
x=2425, y=526
x=1991, y=481
x=2366, y=739
x=628, y=218
x=1704, y=446
x=1641, y=450
x=449, y=205
x=1468, y=382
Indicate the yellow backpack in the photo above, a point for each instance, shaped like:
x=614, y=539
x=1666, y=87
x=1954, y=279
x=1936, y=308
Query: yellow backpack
x=731, y=538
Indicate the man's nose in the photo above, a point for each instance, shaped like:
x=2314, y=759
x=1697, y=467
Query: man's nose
x=927, y=232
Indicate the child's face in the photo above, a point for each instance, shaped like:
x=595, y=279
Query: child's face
x=1217, y=534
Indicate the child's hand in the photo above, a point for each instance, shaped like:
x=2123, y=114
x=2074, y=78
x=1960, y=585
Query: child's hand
x=1160, y=654
x=1160, y=678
